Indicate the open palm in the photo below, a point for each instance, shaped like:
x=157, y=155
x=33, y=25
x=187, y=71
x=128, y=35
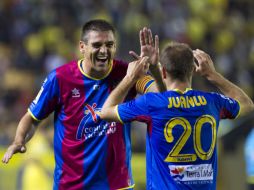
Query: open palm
x=148, y=47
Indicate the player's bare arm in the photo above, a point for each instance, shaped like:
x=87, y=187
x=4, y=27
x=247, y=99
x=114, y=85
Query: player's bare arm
x=24, y=133
x=136, y=69
x=205, y=68
x=150, y=47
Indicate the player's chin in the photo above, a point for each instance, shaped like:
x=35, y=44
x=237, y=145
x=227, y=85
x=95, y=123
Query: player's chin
x=103, y=65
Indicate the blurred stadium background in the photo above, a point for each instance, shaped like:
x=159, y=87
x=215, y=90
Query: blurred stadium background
x=39, y=35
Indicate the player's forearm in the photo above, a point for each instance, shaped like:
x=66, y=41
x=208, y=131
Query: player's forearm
x=25, y=129
x=135, y=70
x=119, y=93
x=156, y=73
x=231, y=90
x=108, y=111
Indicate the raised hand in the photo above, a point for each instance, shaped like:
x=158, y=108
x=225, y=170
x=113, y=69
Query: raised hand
x=13, y=149
x=204, y=65
x=148, y=47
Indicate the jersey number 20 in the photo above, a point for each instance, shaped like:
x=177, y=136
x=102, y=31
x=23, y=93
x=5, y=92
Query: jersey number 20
x=175, y=155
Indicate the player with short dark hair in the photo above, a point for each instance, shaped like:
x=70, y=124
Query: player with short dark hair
x=181, y=150
x=89, y=153
x=95, y=25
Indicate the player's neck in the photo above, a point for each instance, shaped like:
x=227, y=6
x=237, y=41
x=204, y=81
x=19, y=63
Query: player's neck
x=91, y=72
x=176, y=84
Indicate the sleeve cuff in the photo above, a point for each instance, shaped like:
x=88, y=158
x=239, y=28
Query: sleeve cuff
x=29, y=111
x=239, y=111
x=117, y=113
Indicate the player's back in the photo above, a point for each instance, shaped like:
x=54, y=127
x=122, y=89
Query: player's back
x=181, y=143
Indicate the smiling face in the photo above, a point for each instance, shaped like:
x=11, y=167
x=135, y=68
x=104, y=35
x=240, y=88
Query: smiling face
x=98, y=49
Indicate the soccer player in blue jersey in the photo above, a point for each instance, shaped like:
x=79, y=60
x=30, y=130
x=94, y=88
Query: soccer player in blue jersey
x=90, y=154
x=182, y=123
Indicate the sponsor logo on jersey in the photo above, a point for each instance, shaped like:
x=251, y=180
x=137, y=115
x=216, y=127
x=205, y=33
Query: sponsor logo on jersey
x=194, y=174
x=90, y=125
x=177, y=173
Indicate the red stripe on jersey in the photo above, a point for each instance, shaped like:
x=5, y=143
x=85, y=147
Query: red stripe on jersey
x=72, y=150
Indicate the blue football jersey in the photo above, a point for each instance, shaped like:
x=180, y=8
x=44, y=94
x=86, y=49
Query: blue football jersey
x=181, y=142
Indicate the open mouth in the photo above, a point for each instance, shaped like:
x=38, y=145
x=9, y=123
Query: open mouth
x=102, y=60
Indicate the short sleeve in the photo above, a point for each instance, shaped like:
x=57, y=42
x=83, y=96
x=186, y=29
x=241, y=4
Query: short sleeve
x=136, y=109
x=47, y=98
x=229, y=108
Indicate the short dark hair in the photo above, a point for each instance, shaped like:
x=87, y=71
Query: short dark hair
x=96, y=25
x=178, y=60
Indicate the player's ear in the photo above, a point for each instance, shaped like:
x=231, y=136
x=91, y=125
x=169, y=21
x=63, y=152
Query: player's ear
x=82, y=46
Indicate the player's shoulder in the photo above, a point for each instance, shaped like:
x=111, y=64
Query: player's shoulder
x=155, y=96
x=119, y=64
x=213, y=96
x=119, y=69
x=193, y=92
x=68, y=69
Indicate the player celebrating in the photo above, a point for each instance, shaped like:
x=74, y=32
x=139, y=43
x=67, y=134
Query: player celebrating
x=89, y=153
x=182, y=122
